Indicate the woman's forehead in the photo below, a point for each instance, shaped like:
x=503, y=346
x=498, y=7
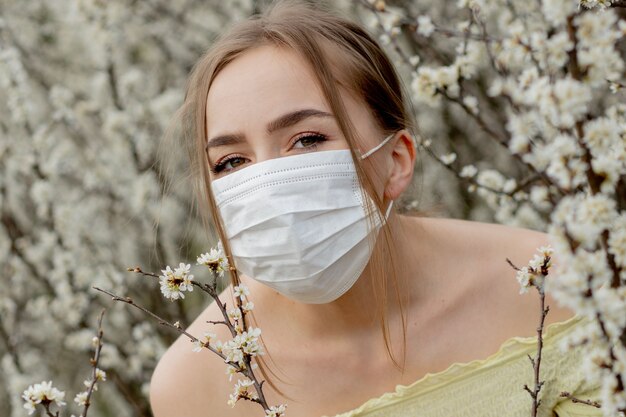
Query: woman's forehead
x=261, y=83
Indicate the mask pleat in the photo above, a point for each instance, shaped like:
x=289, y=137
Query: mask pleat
x=274, y=202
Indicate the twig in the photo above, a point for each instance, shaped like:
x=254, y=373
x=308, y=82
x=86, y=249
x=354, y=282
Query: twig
x=396, y=47
x=500, y=139
x=161, y=320
x=536, y=361
x=94, y=363
x=11, y=349
x=519, y=187
x=46, y=406
x=577, y=400
x=210, y=289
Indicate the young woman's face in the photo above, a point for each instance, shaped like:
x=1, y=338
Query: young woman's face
x=267, y=104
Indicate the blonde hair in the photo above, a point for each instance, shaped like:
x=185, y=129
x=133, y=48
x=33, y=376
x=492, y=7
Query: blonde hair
x=359, y=65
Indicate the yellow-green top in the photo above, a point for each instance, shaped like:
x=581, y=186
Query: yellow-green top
x=494, y=386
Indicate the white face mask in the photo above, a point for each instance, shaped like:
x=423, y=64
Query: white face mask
x=299, y=223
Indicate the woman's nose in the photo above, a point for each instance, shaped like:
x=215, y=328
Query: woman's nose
x=264, y=153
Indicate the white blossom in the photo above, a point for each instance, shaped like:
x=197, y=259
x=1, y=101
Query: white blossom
x=490, y=178
x=425, y=26
x=276, y=411
x=603, y=135
x=524, y=277
x=244, y=343
x=234, y=314
x=522, y=128
x=428, y=81
x=42, y=393
x=215, y=260
x=205, y=341
x=614, y=87
x=468, y=171
x=539, y=195
x=533, y=274
x=597, y=33
x=175, y=282
x=100, y=375
x=557, y=11
x=81, y=398
x=242, y=389
x=448, y=158
x=471, y=103
x=609, y=169
x=571, y=99
x=470, y=58
x=231, y=371
x=592, y=215
x=555, y=52
x=241, y=291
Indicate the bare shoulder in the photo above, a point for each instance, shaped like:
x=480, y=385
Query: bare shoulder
x=190, y=384
x=517, y=245
x=490, y=247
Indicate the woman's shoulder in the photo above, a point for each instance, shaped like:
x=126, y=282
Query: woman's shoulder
x=491, y=288
x=501, y=246
x=189, y=383
x=491, y=244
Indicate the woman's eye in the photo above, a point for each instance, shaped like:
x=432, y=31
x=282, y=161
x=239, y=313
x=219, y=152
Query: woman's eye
x=309, y=141
x=228, y=164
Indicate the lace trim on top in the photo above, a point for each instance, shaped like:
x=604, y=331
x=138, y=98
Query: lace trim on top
x=431, y=381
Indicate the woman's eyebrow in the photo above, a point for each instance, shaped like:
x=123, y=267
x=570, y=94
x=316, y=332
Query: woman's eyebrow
x=281, y=122
x=294, y=117
x=224, y=140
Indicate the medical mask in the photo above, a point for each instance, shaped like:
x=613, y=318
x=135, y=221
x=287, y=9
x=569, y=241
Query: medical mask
x=299, y=224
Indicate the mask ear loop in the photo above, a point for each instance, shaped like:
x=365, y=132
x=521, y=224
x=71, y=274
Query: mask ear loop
x=388, y=210
x=371, y=151
x=377, y=147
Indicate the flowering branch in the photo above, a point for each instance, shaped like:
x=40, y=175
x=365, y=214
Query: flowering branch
x=45, y=394
x=452, y=88
x=176, y=326
x=534, y=275
x=237, y=353
x=210, y=289
x=594, y=180
x=468, y=172
x=393, y=32
x=96, y=374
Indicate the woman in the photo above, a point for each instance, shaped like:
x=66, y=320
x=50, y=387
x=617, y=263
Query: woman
x=296, y=116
